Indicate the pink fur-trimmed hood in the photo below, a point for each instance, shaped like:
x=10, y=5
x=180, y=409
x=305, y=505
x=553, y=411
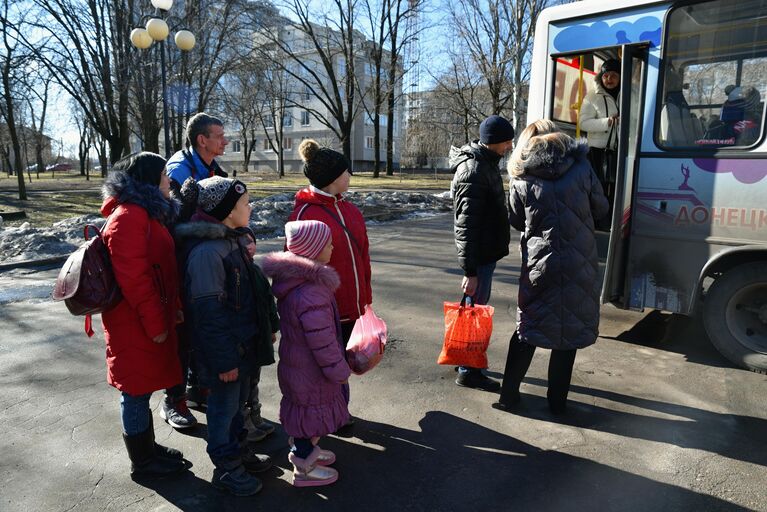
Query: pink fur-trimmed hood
x=289, y=270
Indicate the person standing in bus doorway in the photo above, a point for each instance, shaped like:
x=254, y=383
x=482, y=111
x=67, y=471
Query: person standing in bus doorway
x=481, y=225
x=599, y=116
x=554, y=198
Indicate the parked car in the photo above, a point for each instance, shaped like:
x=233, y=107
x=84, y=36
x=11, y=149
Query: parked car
x=59, y=167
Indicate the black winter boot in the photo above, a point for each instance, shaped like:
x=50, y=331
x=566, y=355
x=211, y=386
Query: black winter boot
x=145, y=461
x=164, y=451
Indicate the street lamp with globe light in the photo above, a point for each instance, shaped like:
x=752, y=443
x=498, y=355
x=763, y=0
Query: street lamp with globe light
x=157, y=30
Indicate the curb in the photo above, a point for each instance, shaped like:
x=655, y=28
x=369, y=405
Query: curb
x=53, y=260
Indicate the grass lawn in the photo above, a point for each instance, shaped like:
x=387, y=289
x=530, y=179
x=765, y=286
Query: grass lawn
x=68, y=194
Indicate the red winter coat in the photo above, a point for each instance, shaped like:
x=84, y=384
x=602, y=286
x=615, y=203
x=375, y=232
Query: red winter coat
x=351, y=260
x=144, y=262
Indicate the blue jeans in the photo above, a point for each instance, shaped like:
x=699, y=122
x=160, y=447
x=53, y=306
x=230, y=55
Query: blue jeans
x=135, y=413
x=481, y=297
x=225, y=420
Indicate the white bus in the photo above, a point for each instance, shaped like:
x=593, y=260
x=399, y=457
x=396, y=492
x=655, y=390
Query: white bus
x=689, y=225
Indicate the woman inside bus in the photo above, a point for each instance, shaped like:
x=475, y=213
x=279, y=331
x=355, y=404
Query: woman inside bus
x=599, y=117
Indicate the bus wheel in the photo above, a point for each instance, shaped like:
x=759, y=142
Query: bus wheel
x=735, y=315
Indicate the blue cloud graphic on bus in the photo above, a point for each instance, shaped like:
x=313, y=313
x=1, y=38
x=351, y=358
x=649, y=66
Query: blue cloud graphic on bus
x=601, y=34
x=747, y=171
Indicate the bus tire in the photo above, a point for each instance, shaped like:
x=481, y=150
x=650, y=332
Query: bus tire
x=735, y=315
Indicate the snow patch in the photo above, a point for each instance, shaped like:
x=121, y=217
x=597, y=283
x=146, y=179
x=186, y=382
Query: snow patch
x=268, y=219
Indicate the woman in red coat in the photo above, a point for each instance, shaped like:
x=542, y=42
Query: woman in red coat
x=141, y=347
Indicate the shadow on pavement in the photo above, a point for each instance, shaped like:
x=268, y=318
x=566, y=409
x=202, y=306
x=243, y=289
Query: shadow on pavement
x=736, y=437
x=674, y=333
x=442, y=467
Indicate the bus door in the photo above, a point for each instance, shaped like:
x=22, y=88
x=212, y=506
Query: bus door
x=615, y=287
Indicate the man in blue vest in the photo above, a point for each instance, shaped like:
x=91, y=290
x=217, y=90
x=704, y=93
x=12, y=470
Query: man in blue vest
x=206, y=139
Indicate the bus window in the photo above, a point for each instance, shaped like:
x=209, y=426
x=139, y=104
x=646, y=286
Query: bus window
x=715, y=61
x=567, y=73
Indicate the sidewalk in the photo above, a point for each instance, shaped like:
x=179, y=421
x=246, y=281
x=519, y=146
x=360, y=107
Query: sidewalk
x=652, y=426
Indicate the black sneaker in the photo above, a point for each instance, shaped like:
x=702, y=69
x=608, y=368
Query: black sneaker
x=177, y=414
x=196, y=397
x=255, y=462
x=237, y=481
x=477, y=380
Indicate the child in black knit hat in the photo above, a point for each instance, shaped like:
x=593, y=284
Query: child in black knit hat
x=323, y=200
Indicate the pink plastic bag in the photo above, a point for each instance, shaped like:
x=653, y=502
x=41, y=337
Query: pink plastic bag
x=367, y=342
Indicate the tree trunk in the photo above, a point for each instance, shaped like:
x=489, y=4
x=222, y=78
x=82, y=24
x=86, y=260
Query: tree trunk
x=377, y=144
x=390, y=131
x=346, y=146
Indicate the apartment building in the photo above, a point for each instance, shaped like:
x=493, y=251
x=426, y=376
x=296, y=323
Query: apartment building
x=300, y=119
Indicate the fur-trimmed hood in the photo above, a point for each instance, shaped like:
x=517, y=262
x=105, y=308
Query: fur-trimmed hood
x=550, y=162
x=119, y=188
x=289, y=270
x=205, y=231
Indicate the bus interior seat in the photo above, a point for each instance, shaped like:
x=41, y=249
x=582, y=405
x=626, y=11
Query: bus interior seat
x=678, y=126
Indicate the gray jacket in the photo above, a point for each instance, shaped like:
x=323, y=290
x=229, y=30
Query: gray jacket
x=554, y=204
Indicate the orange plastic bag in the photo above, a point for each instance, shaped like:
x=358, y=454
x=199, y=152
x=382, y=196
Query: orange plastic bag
x=467, y=334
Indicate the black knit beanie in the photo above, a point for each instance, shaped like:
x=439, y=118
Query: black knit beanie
x=495, y=129
x=322, y=165
x=611, y=65
x=144, y=167
x=218, y=196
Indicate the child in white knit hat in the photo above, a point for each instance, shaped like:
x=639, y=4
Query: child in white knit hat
x=312, y=369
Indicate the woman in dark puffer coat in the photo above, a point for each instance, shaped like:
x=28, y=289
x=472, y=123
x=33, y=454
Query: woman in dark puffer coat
x=140, y=331
x=554, y=198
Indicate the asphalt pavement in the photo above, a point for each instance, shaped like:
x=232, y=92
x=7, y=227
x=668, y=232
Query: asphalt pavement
x=657, y=420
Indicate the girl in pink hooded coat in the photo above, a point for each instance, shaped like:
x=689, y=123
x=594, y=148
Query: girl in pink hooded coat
x=312, y=368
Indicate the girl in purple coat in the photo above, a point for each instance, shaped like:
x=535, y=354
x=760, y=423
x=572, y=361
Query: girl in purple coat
x=312, y=369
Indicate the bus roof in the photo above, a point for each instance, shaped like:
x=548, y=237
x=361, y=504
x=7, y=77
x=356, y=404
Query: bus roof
x=587, y=7
x=571, y=11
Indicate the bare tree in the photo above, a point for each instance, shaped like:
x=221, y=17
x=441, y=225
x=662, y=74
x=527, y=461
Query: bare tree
x=497, y=35
x=397, y=13
x=273, y=113
x=85, y=140
x=11, y=68
x=86, y=48
x=321, y=60
x=256, y=96
x=39, y=84
x=224, y=33
x=370, y=84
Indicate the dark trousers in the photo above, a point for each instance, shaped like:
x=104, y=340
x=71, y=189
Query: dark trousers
x=346, y=331
x=518, y=362
x=302, y=447
x=597, y=157
x=178, y=391
x=346, y=334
